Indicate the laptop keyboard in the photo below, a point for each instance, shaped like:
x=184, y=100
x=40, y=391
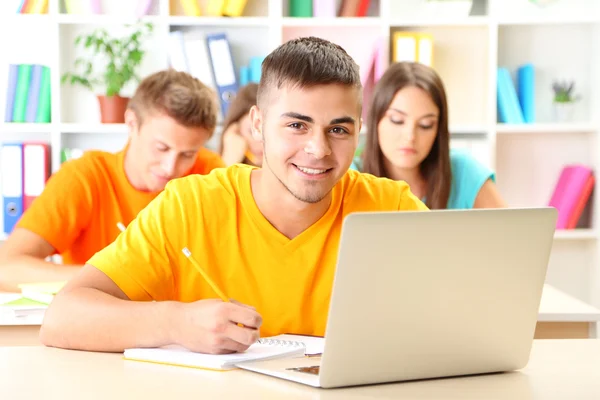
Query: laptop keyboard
x=308, y=370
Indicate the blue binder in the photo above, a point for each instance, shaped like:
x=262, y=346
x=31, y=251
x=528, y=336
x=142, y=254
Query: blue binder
x=526, y=91
x=223, y=68
x=11, y=164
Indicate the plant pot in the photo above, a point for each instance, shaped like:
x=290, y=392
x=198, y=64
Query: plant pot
x=449, y=8
x=112, y=109
x=563, y=112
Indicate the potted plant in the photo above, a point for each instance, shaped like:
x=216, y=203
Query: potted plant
x=110, y=63
x=564, y=100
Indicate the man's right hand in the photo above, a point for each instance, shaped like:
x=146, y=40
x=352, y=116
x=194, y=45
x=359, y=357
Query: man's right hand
x=211, y=326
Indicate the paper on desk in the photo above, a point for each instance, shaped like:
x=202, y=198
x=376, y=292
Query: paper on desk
x=314, y=344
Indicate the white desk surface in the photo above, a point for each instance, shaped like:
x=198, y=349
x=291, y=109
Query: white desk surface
x=558, y=369
x=554, y=306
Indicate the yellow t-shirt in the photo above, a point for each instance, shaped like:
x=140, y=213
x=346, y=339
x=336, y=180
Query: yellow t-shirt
x=215, y=217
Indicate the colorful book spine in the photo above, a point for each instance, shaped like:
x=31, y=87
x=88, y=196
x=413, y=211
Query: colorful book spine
x=215, y=7
x=301, y=8
x=191, y=8
x=143, y=7
x=526, y=91
x=324, y=8
x=569, y=192
x=234, y=8
x=33, y=93
x=44, y=109
x=13, y=74
x=22, y=90
x=509, y=110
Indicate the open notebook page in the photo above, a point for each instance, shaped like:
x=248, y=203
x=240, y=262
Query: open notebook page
x=176, y=355
x=314, y=344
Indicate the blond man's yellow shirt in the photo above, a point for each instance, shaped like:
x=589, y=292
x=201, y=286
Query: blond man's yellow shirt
x=215, y=217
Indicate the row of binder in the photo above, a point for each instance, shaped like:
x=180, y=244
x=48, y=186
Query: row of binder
x=208, y=58
x=24, y=170
x=28, y=94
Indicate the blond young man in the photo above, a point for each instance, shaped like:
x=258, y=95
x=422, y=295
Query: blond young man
x=267, y=236
x=170, y=117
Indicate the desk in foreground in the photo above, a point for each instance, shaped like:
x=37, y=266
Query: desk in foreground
x=557, y=369
x=561, y=317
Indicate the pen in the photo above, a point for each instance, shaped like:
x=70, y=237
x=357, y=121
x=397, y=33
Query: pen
x=195, y=263
x=121, y=226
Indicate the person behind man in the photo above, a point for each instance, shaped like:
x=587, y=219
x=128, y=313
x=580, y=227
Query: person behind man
x=408, y=140
x=268, y=237
x=237, y=144
x=170, y=117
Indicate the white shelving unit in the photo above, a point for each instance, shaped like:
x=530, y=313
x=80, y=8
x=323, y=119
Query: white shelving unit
x=562, y=40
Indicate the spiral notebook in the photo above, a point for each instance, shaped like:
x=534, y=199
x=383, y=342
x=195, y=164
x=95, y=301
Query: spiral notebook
x=264, y=349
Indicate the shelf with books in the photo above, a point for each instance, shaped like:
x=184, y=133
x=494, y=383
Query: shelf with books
x=561, y=42
x=130, y=8
x=215, y=8
x=25, y=127
x=537, y=47
x=529, y=166
x=351, y=9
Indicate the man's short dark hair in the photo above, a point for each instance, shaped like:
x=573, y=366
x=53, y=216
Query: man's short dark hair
x=306, y=62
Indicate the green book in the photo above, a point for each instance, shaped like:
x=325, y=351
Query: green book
x=21, y=92
x=301, y=8
x=44, y=100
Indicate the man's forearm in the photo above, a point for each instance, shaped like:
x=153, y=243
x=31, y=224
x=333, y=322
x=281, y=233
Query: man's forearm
x=26, y=269
x=88, y=319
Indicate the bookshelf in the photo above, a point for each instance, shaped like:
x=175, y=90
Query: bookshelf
x=561, y=40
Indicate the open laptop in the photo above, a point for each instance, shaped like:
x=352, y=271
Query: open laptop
x=429, y=294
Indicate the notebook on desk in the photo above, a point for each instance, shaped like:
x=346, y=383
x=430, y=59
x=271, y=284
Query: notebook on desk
x=264, y=349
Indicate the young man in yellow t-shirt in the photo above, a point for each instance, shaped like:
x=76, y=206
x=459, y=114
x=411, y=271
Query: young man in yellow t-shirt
x=267, y=237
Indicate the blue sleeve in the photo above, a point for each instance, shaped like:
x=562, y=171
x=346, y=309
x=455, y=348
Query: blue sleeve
x=468, y=176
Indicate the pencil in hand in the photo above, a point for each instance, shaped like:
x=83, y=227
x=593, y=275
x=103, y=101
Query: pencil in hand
x=195, y=263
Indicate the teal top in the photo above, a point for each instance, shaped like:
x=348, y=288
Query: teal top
x=468, y=176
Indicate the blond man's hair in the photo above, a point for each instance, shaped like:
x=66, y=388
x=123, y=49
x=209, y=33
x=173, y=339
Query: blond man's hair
x=178, y=95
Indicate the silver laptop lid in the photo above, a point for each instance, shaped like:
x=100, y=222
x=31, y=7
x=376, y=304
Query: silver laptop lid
x=438, y=293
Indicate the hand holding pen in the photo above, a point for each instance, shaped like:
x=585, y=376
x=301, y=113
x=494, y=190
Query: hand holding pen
x=214, y=326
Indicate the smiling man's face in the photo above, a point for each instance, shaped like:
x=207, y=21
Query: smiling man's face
x=309, y=136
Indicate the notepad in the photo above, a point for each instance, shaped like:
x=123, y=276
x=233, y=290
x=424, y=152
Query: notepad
x=313, y=345
x=43, y=292
x=265, y=349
